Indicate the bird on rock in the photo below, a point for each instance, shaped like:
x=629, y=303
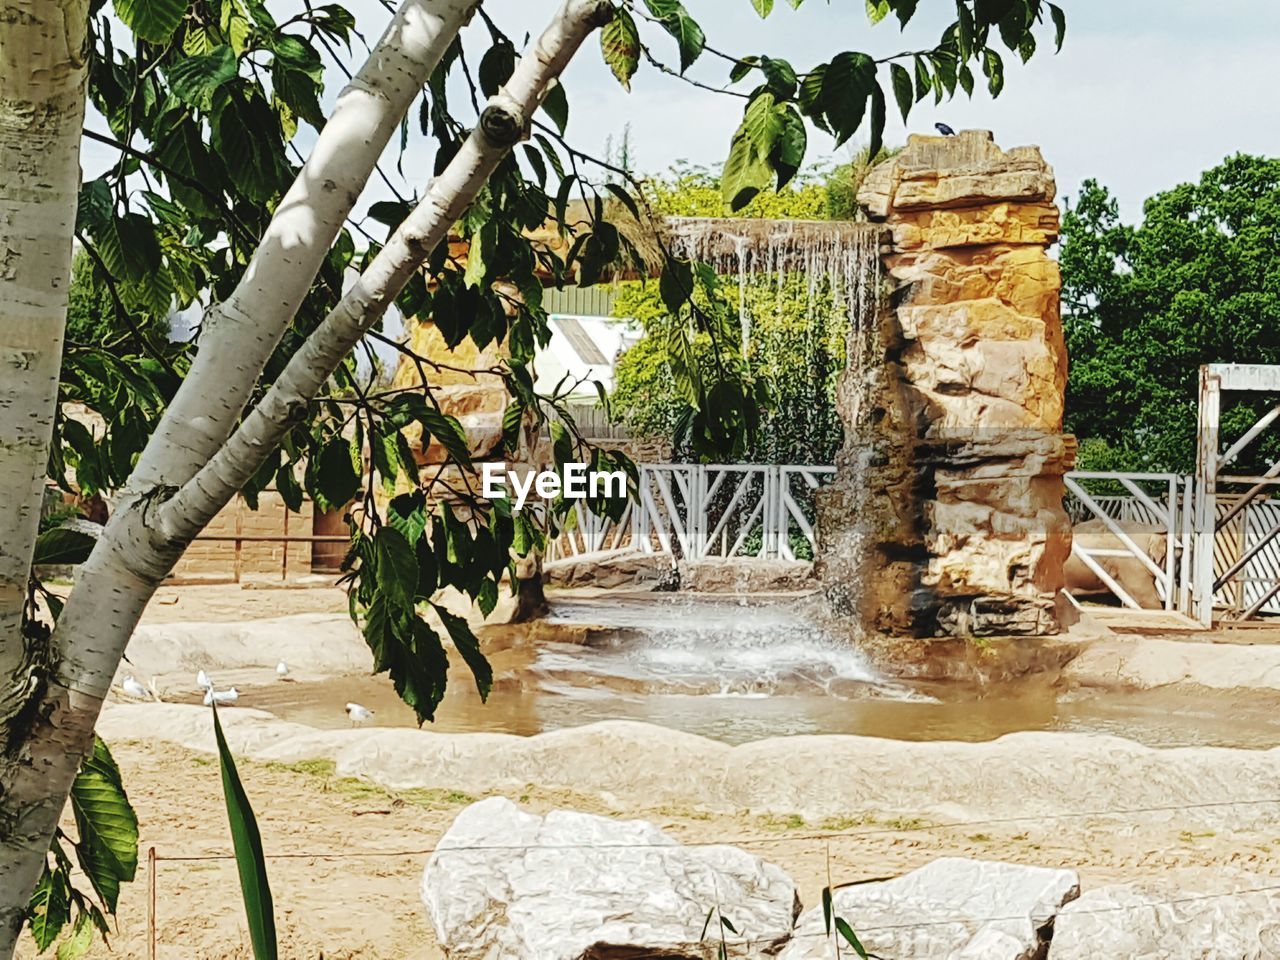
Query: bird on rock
x=943, y=129
x=282, y=670
x=203, y=681
x=221, y=696
x=358, y=714
x=134, y=689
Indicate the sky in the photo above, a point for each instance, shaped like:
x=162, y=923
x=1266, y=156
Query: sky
x=1144, y=95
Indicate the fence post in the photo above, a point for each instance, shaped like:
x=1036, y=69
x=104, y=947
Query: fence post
x=1206, y=516
x=151, y=903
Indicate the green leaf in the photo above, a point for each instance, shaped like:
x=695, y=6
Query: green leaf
x=81, y=939
x=902, y=90
x=763, y=7
x=877, y=122
x=448, y=430
x=993, y=67
x=246, y=136
x=48, y=910
x=741, y=68
x=846, y=931
x=845, y=89
x=675, y=285
x=789, y=148
x=397, y=568
x=810, y=95
x=153, y=20
x=1059, y=26
x=561, y=443
x=924, y=79
x=108, y=828
x=94, y=205
x=337, y=476
x=620, y=45
x=63, y=545
x=676, y=21
x=250, y=860
x=877, y=10
x=556, y=106
x=780, y=77
x=748, y=169
x=193, y=80
x=487, y=598
x=466, y=644
x=496, y=67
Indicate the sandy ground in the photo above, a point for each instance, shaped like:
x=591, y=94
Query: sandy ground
x=347, y=855
x=364, y=902
x=222, y=603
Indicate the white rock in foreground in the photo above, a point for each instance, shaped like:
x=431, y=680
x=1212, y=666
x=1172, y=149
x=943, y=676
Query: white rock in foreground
x=952, y=909
x=1143, y=921
x=570, y=886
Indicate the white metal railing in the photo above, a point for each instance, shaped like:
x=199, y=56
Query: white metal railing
x=705, y=511
x=1167, y=513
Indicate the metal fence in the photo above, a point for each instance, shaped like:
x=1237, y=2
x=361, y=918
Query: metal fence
x=706, y=511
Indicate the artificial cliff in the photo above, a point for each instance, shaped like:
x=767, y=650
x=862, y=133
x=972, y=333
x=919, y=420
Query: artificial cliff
x=946, y=518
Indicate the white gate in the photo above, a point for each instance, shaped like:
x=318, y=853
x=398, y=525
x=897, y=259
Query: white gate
x=698, y=512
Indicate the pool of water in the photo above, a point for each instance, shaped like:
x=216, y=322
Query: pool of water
x=741, y=671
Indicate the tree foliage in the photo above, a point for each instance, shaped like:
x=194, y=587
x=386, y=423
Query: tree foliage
x=1196, y=281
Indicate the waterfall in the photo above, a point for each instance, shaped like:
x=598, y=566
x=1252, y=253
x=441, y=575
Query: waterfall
x=838, y=263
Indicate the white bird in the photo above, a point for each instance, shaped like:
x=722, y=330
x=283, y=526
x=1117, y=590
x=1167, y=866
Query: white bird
x=282, y=670
x=203, y=681
x=134, y=689
x=358, y=714
x=221, y=696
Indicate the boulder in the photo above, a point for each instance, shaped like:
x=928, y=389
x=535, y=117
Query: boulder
x=573, y=886
x=952, y=909
x=1149, y=921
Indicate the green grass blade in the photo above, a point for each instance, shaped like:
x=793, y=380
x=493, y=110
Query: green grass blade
x=249, y=857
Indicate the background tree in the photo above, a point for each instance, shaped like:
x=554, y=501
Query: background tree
x=1197, y=281
x=207, y=203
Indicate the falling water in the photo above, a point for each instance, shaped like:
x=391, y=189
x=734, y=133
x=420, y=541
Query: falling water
x=839, y=267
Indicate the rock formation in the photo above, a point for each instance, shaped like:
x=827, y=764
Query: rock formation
x=946, y=517
x=573, y=886
x=1162, y=920
x=954, y=908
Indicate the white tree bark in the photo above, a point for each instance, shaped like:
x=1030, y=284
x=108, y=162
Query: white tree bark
x=43, y=73
x=239, y=334
x=149, y=532
x=503, y=123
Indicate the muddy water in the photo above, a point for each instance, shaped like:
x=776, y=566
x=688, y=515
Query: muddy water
x=744, y=671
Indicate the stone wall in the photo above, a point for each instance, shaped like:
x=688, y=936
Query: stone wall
x=946, y=517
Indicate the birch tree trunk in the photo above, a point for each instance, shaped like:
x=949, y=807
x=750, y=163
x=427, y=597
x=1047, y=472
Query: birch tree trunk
x=239, y=334
x=43, y=74
x=149, y=532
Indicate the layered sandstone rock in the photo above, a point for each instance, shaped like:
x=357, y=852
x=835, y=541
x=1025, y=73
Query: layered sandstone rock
x=947, y=517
